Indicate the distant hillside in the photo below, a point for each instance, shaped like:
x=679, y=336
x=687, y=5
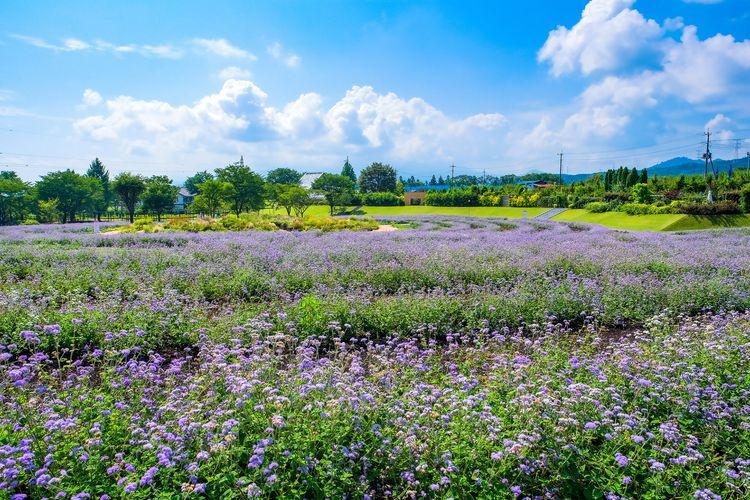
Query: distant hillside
x=675, y=166
x=687, y=166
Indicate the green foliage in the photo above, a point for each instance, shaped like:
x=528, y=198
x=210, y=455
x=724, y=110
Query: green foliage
x=74, y=193
x=283, y=176
x=378, y=177
x=381, y=199
x=597, y=207
x=454, y=197
x=98, y=171
x=213, y=196
x=348, y=171
x=193, y=182
x=718, y=208
x=160, y=195
x=641, y=193
x=14, y=198
x=247, y=188
x=47, y=211
x=648, y=209
x=129, y=188
x=337, y=189
x=745, y=198
x=292, y=198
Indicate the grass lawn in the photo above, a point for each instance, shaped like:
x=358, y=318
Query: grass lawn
x=689, y=222
x=622, y=220
x=662, y=222
x=507, y=212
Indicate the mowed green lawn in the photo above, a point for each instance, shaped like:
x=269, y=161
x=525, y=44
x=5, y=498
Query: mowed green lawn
x=661, y=222
x=621, y=220
x=507, y=212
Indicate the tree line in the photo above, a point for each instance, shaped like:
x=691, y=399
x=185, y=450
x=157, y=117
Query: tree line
x=66, y=196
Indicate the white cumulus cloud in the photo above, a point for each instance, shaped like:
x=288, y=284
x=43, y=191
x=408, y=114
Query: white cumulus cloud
x=303, y=131
x=91, y=98
x=608, y=36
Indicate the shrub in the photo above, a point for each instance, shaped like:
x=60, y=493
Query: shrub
x=719, y=208
x=745, y=198
x=645, y=209
x=381, y=199
x=468, y=197
x=597, y=207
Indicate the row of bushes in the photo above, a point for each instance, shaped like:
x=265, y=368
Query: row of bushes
x=675, y=207
x=381, y=199
x=251, y=221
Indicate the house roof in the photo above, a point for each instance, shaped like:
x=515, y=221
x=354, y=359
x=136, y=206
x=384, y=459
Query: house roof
x=308, y=178
x=185, y=193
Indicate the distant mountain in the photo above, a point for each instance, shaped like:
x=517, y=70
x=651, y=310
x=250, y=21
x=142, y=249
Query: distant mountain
x=687, y=166
x=675, y=166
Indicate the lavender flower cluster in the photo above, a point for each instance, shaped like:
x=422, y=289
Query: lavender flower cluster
x=375, y=365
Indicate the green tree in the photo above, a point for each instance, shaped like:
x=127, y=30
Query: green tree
x=212, y=198
x=348, y=171
x=160, y=195
x=293, y=197
x=74, y=193
x=337, y=189
x=14, y=198
x=643, y=179
x=192, y=183
x=247, y=187
x=98, y=171
x=129, y=187
x=632, y=178
x=283, y=176
x=641, y=193
x=47, y=211
x=376, y=178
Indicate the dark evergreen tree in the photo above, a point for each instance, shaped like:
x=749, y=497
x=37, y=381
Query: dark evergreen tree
x=632, y=179
x=433, y=181
x=348, y=171
x=98, y=171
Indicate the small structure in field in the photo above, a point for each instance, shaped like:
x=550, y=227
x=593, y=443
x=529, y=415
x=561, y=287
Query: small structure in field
x=184, y=199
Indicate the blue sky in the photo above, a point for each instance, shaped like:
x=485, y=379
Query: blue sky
x=175, y=87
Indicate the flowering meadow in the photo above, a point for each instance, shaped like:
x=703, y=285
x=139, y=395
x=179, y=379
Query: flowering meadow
x=456, y=358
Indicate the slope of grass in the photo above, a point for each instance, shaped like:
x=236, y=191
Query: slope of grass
x=622, y=220
x=690, y=222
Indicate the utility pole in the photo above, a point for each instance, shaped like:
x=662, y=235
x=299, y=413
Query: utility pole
x=453, y=168
x=748, y=160
x=484, y=176
x=560, y=154
x=707, y=155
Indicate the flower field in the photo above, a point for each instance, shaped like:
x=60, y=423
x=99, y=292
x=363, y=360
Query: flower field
x=460, y=358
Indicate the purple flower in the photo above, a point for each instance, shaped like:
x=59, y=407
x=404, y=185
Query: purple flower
x=516, y=490
x=656, y=466
x=622, y=460
x=131, y=487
